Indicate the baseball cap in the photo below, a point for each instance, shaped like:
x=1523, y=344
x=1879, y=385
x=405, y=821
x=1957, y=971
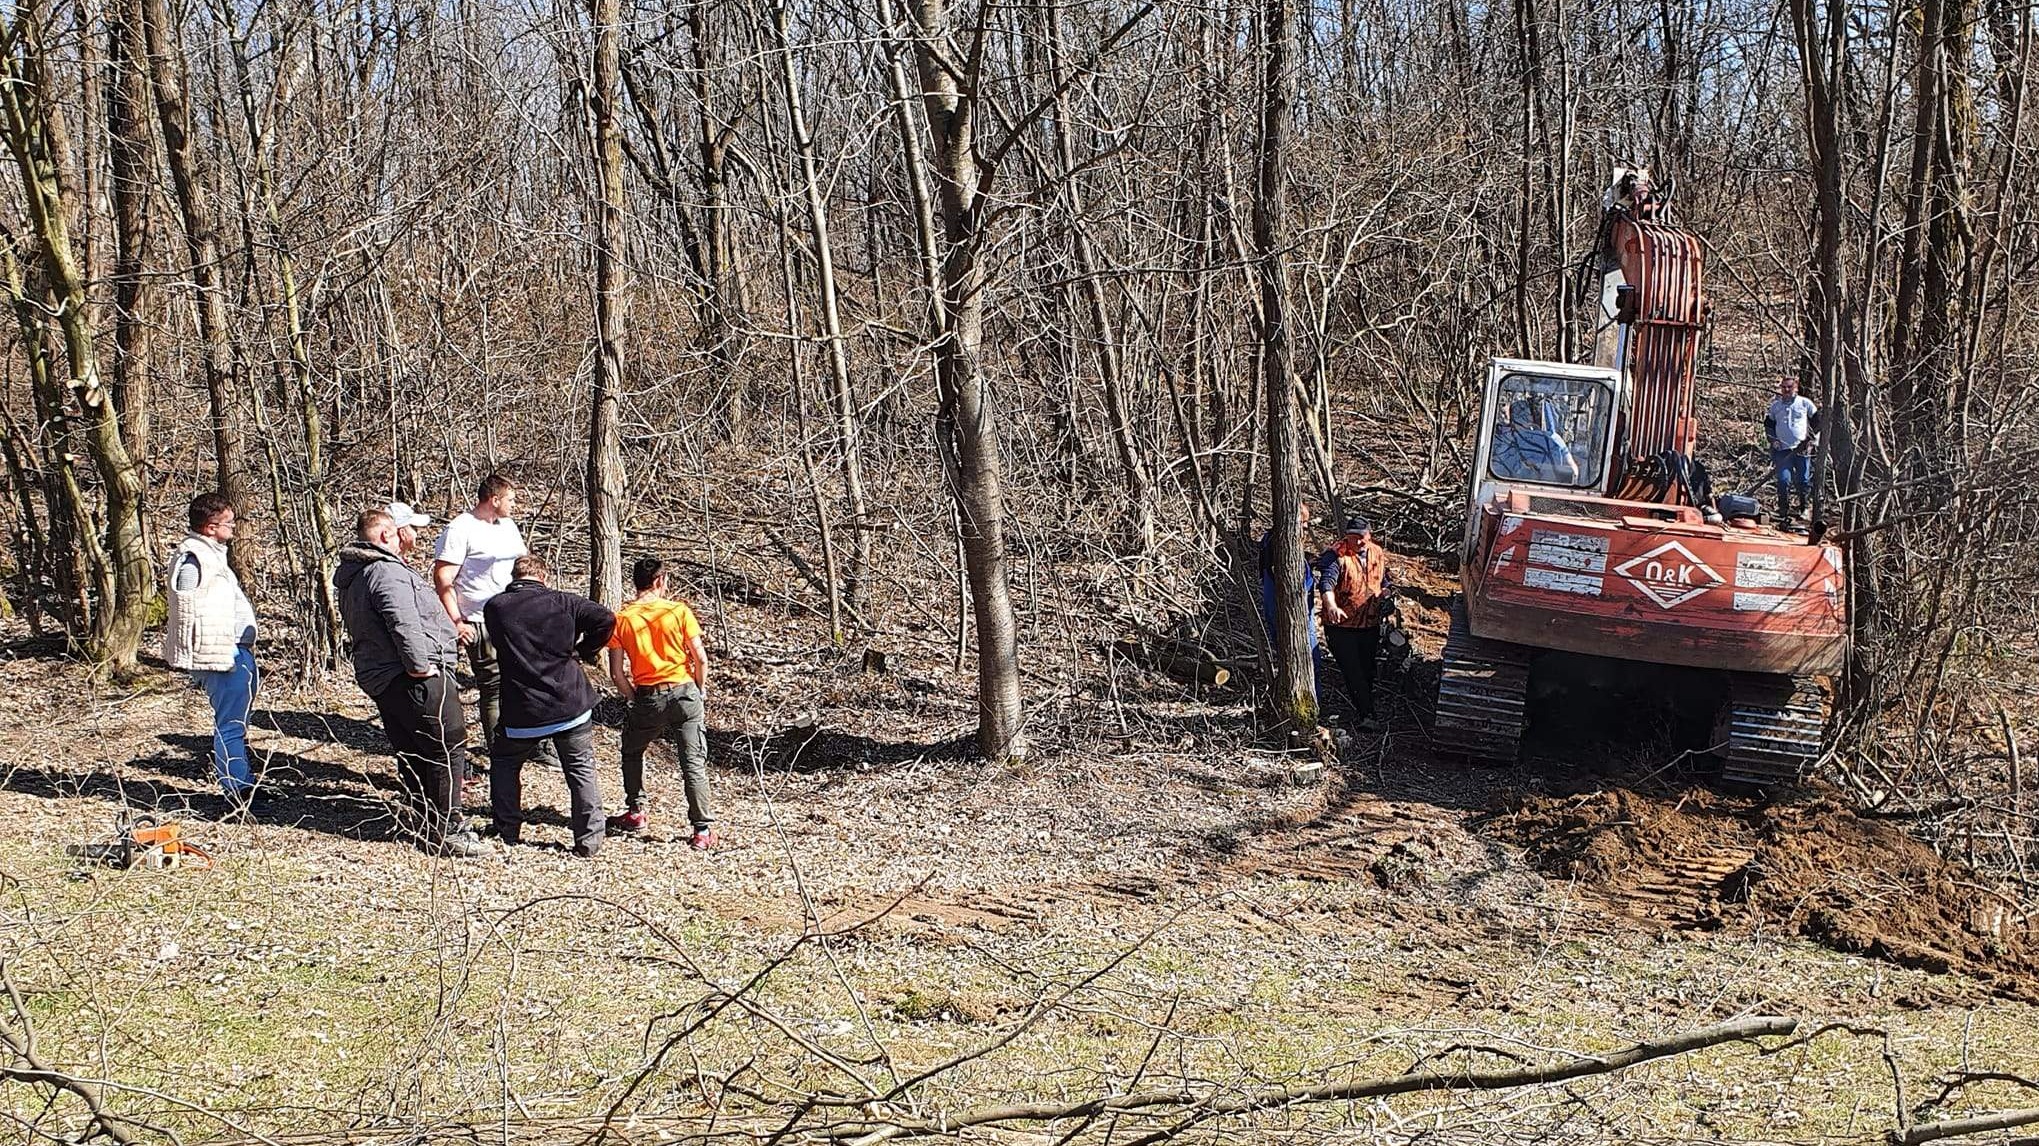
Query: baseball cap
x=1357, y=524
x=403, y=514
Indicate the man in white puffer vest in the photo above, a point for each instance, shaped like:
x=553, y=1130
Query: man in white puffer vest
x=211, y=635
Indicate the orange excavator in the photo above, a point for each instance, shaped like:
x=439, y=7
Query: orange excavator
x=1591, y=528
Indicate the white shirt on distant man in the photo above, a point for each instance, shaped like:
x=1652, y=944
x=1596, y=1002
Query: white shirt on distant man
x=484, y=552
x=471, y=564
x=1790, y=420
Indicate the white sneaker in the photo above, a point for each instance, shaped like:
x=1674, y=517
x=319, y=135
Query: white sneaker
x=464, y=845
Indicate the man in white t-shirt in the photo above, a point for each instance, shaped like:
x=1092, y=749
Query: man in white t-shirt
x=1792, y=423
x=470, y=565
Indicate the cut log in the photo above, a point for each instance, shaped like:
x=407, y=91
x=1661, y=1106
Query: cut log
x=788, y=742
x=1181, y=661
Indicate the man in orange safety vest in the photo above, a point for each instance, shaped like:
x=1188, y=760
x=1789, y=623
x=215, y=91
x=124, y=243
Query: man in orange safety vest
x=1352, y=583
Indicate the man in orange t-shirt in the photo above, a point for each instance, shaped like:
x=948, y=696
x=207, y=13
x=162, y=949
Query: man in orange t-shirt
x=660, y=668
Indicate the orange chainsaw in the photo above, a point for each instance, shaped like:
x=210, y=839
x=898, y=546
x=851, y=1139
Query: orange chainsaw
x=143, y=841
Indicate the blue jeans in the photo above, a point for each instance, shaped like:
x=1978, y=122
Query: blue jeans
x=232, y=694
x=1794, y=470
x=1267, y=612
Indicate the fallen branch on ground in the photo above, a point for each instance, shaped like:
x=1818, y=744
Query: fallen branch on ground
x=1185, y=1107
x=20, y=1045
x=1178, y=659
x=1197, y=1109
x=1955, y=1128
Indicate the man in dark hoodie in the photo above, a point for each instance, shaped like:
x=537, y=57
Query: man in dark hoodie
x=404, y=650
x=539, y=633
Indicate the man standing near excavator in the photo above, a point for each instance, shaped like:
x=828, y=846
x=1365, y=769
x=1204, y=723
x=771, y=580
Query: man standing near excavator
x=1352, y=581
x=1309, y=578
x=1792, y=424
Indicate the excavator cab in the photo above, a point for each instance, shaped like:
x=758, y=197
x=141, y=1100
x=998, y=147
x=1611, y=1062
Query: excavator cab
x=1543, y=426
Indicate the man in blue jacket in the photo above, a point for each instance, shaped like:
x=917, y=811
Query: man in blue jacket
x=540, y=635
x=403, y=649
x=1309, y=582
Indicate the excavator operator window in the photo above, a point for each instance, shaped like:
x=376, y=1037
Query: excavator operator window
x=1549, y=430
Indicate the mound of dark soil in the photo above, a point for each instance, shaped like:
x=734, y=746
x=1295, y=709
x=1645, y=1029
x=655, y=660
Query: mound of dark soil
x=1806, y=863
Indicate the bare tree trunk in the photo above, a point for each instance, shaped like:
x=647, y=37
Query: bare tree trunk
x=1209, y=374
x=1937, y=240
x=133, y=162
x=72, y=558
x=1950, y=245
x=724, y=296
x=1139, y=485
x=1525, y=322
x=605, y=458
x=966, y=428
x=322, y=637
x=831, y=574
x=1294, y=704
x=31, y=540
x=222, y=368
x=1911, y=264
x=706, y=244
x=913, y=159
x=90, y=226
x=2010, y=45
x=117, y=631
x=849, y=425
x=1821, y=45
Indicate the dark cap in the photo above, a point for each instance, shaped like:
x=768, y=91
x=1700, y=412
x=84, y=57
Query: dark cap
x=1357, y=524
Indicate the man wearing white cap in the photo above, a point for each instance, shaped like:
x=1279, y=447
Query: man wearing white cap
x=408, y=522
x=404, y=650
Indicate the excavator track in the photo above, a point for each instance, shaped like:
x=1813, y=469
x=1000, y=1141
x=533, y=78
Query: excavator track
x=1769, y=731
x=1482, y=694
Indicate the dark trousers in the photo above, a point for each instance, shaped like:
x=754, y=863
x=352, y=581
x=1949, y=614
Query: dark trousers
x=668, y=712
x=488, y=682
x=424, y=723
x=1356, y=649
x=575, y=749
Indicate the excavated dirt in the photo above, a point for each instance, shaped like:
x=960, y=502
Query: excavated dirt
x=1805, y=863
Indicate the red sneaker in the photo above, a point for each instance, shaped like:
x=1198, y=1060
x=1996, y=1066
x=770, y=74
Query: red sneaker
x=631, y=821
x=703, y=840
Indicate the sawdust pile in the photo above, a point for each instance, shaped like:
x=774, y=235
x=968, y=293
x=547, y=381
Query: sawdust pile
x=1807, y=864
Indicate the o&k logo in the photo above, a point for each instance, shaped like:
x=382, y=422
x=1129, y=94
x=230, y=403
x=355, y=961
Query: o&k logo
x=1669, y=574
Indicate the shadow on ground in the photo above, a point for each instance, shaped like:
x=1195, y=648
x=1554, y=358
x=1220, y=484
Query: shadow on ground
x=817, y=749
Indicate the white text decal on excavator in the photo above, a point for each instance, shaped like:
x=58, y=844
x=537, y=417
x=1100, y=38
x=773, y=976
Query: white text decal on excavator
x=1565, y=562
x=1765, y=571
x=1669, y=574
